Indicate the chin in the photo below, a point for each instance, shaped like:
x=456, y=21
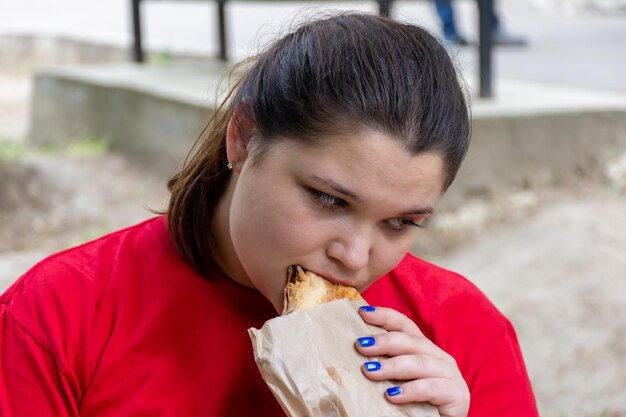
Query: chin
x=277, y=300
x=279, y=307
x=274, y=294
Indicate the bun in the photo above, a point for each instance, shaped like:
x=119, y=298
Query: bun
x=306, y=289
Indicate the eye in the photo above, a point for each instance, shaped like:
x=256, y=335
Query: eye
x=326, y=200
x=401, y=224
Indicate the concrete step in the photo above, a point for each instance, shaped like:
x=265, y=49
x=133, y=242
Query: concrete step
x=529, y=135
x=150, y=112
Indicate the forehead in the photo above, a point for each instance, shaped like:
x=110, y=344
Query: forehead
x=370, y=163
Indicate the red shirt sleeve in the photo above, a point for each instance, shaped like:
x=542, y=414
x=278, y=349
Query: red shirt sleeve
x=453, y=313
x=31, y=382
x=501, y=385
x=46, y=318
x=488, y=354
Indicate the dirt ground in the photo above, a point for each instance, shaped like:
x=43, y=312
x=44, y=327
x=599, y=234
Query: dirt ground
x=552, y=260
x=559, y=276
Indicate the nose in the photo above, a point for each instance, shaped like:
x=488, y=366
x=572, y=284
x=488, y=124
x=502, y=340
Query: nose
x=351, y=249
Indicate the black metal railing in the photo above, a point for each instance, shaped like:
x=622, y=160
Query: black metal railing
x=485, y=12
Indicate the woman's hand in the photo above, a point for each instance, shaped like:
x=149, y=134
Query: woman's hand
x=429, y=373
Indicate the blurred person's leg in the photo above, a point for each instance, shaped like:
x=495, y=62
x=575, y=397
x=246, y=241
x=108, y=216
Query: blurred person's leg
x=451, y=35
x=448, y=25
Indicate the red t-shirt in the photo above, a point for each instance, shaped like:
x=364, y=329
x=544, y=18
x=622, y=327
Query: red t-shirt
x=123, y=327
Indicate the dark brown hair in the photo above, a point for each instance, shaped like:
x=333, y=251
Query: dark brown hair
x=339, y=74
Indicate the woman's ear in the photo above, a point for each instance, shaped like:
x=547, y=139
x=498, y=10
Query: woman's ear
x=238, y=135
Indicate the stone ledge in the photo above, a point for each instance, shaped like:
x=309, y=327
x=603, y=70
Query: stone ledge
x=531, y=135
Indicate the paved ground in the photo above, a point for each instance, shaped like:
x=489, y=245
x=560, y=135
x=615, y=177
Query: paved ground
x=582, y=46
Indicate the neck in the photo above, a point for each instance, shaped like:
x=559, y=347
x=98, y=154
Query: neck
x=221, y=244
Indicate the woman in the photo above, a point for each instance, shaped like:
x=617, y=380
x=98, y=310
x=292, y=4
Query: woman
x=334, y=148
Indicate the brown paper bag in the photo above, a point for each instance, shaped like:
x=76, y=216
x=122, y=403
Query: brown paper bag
x=308, y=360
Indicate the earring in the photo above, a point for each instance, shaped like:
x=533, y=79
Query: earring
x=229, y=165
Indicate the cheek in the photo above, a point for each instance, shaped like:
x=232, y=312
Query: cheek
x=269, y=233
x=272, y=227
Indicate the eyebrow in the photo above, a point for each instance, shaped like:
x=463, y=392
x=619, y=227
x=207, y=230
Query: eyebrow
x=342, y=190
x=338, y=188
x=419, y=211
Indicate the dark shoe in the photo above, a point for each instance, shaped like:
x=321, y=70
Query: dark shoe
x=456, y=40
x=503, y=38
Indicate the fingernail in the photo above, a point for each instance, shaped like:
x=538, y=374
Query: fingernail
x=369, y=309
x=372, y=366
x=393, y=391
x=366, y=341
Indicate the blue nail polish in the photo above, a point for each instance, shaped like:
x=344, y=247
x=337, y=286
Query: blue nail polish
x=369, y=309
x=372, y=366
x=393, y=391
x=366, y=341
